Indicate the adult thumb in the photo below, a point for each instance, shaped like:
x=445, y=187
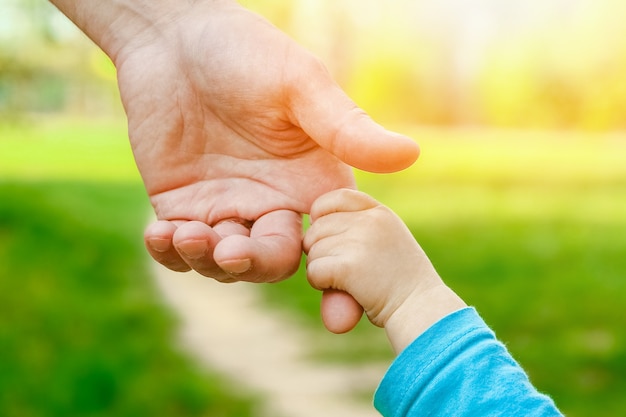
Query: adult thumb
x=337, y=124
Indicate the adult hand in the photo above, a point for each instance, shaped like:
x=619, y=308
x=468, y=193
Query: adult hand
x=235, y=129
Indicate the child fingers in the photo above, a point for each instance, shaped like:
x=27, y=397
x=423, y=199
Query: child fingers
x=333, y=231
x=322, y=230
x=312, y=237
x=341, y=200
x=322, y=273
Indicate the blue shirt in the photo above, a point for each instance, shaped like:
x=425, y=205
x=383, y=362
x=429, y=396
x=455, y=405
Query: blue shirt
x=458, y=368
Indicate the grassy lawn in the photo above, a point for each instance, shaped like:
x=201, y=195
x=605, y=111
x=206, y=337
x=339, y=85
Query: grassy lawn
x=529, y=228
x=82, y=330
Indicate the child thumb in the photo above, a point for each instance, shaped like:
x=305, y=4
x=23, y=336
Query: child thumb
x=340, y=312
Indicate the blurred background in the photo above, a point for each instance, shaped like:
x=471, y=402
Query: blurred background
x=519, y=198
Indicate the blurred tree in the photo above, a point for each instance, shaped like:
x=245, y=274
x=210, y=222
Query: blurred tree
x=510, y=63
x=49, y=66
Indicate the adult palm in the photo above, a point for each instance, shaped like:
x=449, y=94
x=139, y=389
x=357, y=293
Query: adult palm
x=236, y=130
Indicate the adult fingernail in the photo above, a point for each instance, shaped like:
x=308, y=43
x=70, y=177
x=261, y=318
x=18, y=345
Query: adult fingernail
x=236, y=266
x=193, y=249
x=159, y=245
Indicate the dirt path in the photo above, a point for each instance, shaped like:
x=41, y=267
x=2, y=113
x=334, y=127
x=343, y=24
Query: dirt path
x=224, y=327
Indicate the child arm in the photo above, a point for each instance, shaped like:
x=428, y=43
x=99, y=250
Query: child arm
x=449, y=361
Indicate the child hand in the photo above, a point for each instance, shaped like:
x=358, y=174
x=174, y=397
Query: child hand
x=357, y=245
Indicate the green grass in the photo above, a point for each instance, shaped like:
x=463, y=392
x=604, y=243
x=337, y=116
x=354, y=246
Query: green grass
x=530, y=229
x=59, y=148
x=82, y=330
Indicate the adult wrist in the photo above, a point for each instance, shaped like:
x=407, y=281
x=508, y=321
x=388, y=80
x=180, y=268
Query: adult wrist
x=118, y=25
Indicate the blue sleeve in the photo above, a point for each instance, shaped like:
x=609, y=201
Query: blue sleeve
x=458, y=368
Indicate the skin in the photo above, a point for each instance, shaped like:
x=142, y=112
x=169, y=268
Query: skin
x=359, y=246
x=235, y=129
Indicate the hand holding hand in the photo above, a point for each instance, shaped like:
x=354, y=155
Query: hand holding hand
x=236, y=130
